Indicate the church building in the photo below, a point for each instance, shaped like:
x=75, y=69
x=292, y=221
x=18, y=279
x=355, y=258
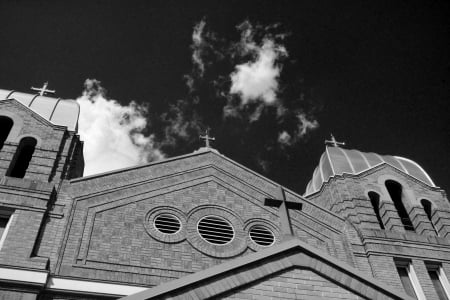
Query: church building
x=202, y=226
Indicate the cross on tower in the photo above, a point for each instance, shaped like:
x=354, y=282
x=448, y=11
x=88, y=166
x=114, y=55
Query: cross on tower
x=333, y=142
x=43, y=89
x=283, y=210
x=207, y=138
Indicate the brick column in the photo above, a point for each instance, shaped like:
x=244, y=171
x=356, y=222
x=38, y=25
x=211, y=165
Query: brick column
x=424, y=280
x=384, y=269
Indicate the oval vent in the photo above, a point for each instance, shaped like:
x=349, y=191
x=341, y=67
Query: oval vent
x=167, y=223
x=215, y=230
x=262, y=236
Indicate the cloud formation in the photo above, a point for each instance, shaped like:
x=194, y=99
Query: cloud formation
x=257, y=79
x=197, y=47
x=243, y=78
x=113, y=134
x=304, y=125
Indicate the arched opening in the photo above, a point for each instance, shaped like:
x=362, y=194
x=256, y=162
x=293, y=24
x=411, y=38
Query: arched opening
x=21, y=160
x=396, y=192
x=426, y=204
x=375, y=200
x=5, y=127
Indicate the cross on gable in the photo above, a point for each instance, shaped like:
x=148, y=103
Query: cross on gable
x=207, y=138
x=43, y=89
x=283, y=209
x=333, y=142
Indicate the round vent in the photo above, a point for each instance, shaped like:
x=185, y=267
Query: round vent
x=167, y=223
x=262, y=236
x=215, y=230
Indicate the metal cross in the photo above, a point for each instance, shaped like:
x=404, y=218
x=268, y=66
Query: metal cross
x=207, y=138
x=283, y=209
x=43, y=89
x=333, y=142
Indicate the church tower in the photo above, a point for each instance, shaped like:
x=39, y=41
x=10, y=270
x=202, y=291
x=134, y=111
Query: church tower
x=39, y=148
x=38, y=139
x=398, y=220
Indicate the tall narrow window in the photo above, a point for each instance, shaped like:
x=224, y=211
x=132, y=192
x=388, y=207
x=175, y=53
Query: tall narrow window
x=5, y=127
x=439, y=280
x=428, y=210
x=409, y=279
x=396, y=193
x=375, y=200
x=21, y=160
x=5, y=221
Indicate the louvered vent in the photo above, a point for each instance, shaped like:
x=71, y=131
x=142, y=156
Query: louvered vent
x=262, y=236
x=215, y=230
x=167, y=224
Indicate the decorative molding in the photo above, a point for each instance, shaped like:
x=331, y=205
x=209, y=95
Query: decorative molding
x=23, y=276
x=71, y=285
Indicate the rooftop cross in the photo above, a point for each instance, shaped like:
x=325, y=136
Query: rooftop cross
x=283, y=210
x=43, y=89
x=333, y=142
x=207, y=138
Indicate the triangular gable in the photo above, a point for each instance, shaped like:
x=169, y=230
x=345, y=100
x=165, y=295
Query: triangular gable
x=235, y=275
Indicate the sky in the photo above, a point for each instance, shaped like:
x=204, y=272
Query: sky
x=271, y=79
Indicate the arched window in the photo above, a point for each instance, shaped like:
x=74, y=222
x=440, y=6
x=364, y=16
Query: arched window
x=5, y=127
x=21, y=160
x=428, y=210
x=396, y=192
x=375, y=200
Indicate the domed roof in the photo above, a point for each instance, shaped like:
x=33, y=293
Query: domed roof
x=337, y=161
x=57, y=111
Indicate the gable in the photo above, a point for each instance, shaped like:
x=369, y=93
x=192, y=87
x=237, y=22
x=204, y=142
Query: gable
x=298, y=283
x=28, y=122
x=290, y=270
x=112, y=228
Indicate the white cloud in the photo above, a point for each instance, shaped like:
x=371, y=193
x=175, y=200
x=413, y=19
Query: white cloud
x=112, y=133
x=257, y=79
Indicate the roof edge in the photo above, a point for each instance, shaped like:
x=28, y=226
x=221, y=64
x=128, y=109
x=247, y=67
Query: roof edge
x=288, y=249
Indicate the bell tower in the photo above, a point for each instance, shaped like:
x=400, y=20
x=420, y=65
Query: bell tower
x=38, y=137
x=397, y=219
x=39, y=150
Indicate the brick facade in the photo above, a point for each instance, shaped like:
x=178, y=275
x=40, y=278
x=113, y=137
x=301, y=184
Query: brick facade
x=94, y=237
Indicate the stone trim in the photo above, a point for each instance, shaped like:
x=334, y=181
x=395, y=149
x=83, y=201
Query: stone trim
x=233, y=248
x=256, y=221
x=156, y=234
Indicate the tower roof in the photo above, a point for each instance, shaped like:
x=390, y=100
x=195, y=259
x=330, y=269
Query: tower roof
x=338, y=161
x=56, y=110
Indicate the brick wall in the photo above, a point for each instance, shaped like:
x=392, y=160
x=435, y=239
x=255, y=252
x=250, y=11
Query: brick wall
x=56, y=146
x=293, y=284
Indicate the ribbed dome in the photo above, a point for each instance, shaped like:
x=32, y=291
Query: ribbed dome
x=337, y=161
x=57, y=111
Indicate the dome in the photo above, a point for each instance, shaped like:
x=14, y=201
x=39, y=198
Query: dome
x=57, y=111
x=337, y=161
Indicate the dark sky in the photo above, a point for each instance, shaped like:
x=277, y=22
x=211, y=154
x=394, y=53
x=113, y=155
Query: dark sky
x=376, y=73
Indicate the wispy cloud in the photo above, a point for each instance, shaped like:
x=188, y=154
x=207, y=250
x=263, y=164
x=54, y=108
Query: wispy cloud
x=181, y=122
x=113, y=134
x=198, y=44
x=303, y=126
